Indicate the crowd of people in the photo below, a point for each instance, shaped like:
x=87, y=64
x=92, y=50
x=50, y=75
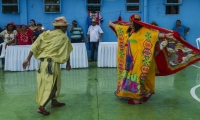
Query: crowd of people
x=21, y=34
x=26, y=35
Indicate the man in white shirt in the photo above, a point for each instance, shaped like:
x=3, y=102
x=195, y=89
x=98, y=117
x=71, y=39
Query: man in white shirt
x=95, y=34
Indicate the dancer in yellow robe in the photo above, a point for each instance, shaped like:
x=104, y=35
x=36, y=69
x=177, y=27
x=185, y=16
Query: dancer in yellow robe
x=52, y=48
x=136, y=65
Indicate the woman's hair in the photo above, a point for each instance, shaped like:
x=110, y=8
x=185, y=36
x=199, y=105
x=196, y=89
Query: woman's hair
x=129, y=30
x=137, y=27
x=14, y=27
x=33, y=21
x=154, y=23
x=23, y=25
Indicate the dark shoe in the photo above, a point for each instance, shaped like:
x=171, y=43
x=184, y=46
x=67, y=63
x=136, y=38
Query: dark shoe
x=57, y=104
x=146, y=98
x=43, y=111
x=130, y=101
x=91, y=60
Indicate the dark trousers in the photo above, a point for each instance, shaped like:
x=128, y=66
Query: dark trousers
x=76, y=40
x=93, y=47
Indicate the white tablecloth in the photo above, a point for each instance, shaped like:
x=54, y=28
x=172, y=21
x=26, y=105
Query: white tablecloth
x=78, y=57
x=107, y=54
x=15, y=55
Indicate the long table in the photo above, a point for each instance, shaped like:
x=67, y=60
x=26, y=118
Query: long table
x=15, y=55
x=107, y=54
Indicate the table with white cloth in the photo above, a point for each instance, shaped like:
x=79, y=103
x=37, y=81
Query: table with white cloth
x=107, y=54
x=15, y=56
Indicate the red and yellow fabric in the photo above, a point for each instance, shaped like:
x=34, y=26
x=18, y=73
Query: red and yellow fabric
x=172, y=55
x=136, y=66
x=142, y=56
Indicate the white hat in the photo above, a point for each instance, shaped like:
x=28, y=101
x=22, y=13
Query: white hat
x=60, y=21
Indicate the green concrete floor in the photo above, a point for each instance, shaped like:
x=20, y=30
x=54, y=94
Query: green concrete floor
x=88, y=94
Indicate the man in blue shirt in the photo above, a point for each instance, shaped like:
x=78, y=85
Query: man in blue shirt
x=76, y=33
x=182, y=30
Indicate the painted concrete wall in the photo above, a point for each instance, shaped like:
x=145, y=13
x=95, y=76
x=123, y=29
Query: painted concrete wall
x=151, y=10
x=189, y=17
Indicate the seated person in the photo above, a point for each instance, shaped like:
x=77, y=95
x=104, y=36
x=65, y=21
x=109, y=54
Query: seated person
x=38, y=31
x=23, y=37
x=8, y=34
x=76, y=33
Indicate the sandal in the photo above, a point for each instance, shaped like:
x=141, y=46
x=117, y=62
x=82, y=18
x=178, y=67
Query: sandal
x=43, y=111
x=57, y=104
x=146, y=98
x=130, y=101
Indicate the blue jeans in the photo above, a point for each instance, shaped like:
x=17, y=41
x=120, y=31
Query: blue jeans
x=93, y=47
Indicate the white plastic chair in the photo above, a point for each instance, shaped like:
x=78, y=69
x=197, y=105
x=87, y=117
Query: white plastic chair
x=2, y=54
x=198, y=42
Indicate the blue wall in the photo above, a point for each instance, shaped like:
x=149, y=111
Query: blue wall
x=188, y=15
x=151, y=10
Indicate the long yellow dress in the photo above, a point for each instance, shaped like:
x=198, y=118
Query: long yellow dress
x=55, y=45
x=136, y=65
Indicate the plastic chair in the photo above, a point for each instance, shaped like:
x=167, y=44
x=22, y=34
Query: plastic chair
x=3, y=52
x=198, y=42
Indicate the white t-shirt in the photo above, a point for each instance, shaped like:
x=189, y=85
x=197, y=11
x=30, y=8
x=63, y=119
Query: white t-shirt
x=94, y=32
x=8, y=37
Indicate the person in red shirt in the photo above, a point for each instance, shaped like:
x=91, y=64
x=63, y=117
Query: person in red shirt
x=24, y=37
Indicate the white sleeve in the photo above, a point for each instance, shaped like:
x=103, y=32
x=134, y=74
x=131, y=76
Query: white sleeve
x=100, y=30
x=2, y=34
x=15, y=32
x=88, y=31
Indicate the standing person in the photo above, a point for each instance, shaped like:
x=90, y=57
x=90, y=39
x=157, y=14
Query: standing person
x=52, y=48
x=136, y=64
x=182, y=30
x=9, y=34
x=76, y=33
x=95, y=34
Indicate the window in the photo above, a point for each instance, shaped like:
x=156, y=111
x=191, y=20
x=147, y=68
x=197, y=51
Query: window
x=173, y=6
x=173, y=9
x=93, y=5
x=10, y=6
x=93, y=1
x=173, y=1
x=52, y=6
x=133, y=5
x=132, y=1
x=93, y=8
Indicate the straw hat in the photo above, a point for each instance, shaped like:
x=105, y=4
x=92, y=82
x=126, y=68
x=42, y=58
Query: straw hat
x=60, y=21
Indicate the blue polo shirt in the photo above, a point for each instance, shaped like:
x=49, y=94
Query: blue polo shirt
x=181, y=30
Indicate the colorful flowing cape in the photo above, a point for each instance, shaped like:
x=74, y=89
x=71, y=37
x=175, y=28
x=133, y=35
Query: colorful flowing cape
x=171, y=55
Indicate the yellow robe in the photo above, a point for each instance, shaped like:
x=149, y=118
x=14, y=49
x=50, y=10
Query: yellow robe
x=136, y=65
x=55, y=45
